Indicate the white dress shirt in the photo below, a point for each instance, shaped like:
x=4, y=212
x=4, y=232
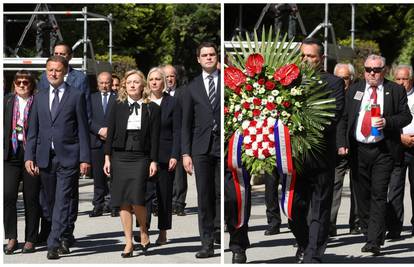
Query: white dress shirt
x=366, y=105
x=20, y=119
x=134, y=120
x=157, y=101
x=409, y=129
x=207, y=80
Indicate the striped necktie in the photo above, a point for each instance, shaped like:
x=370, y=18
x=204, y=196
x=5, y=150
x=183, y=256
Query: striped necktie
x=211, y=91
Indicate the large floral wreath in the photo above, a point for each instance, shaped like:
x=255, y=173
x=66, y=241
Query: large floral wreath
x=267, y=83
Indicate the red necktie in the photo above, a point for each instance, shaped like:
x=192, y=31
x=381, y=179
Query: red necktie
x=366, y=121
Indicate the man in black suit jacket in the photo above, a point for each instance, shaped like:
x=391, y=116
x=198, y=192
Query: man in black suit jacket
x=58, y=145
x=314, y=187
x=373, y=156
x=201, y=144
x=101, y=103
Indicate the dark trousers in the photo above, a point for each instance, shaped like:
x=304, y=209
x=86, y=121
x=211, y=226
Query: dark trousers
x=14, y=172
x=207, y=175
x=163, y=191
x=56, y=195
x=375, y=165
x=180, y=186
x=395, y=204
x=239, y=239
x=272, y=199
x=341, y=168
x=313, y=190
x=100, y=184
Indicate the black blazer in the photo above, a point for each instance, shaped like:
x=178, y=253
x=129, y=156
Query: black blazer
x=7, y=124
x=198, y=116
x=395, y=111
x=150, y=127
x=170, y=131
x=323, y=159
x=99, y=119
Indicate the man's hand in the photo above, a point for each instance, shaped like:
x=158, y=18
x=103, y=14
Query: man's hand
x=103, y=133
x=380, y=123
x=107, y=166
x=188, y=164
x=343, y=151
x=172, y=164
x=84, y=168
x=153, y=169
x=31, y=168
x=407, y=140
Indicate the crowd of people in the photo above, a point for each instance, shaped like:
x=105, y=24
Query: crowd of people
x=138, y=137
x=377, y=162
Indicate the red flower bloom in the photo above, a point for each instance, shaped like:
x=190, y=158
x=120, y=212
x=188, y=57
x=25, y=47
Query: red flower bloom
x=266, y=152
x=266, y=138
x=264, y=124
x=246, y=105
x=226, y=110
x=253, y=137
x=246, y=132
x=286, y=74
x=254, y=64
x=237, y=90
x=286, y=104
x=256, y=112
x=247, y=146
x=257, y=101
x=236, y=114
x=260, y=145
x=256, y=153
x=270, y=106
x=271, y=144
x=261, y=81
x=233, y=77
x=252, y=123
x=259, y=131
x=249, y=87
x=270, y=85
x=271, y=130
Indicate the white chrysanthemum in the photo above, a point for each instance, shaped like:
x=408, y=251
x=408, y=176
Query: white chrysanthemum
x=265, y=145
x=254, y=145
x=261, y=156
x=284, y=113
x=270, y=98
x=237, y=107
x=256, y=85
x=234, y=119
x=279, y=100
x=293, y=91
x=271, y=121
x=273, y=113
x=259, y=137
x=247, y=139
x=275, y=92
x=272, y=151
x=266, y=130
x=262, y=90
x=270, y=77
x=240, y=118
x=252, y=130
x=249, y=152
x=272, y=137
x=264, y=102
x=245, y=125
x=259, y=124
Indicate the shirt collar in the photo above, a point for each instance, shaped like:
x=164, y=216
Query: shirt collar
x=131, y=101
x=379, y=87
x=214, y=74
x=410, y=92
x=61, y=88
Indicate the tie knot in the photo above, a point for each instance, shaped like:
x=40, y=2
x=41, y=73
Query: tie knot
x=55, y=91
x=105, y=94
x=210, y=77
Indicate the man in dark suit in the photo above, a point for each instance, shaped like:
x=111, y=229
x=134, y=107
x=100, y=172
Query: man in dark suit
x=180, y=180
x=78, y=81
x=101, y=103
x=314, y=186
x=201, y=144
x=58, y=146
x=375, y=148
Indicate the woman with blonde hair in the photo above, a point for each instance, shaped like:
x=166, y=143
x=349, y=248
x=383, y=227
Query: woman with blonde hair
x=131, y=154
x=169, y=148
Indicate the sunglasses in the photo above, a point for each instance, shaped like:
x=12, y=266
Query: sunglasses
x=25, y=83
x=375, y=70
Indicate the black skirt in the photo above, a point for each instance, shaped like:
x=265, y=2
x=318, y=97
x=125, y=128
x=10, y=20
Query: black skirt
x=130, y=171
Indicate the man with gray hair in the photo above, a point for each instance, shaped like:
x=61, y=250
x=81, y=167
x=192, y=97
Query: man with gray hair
x=347, y=72
x=374, y=146
x=403, y=75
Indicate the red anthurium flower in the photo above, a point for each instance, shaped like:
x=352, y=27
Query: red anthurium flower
x=270, y=85
x=270, y=106
x=256, y=112
x=261, y=81
x=246, y=105
x=286, y=104
x=249, y=87
x=259, y=131
x=247, y=146
x=233, y=77
x=253, y=137
x=246, y=132
x=237, y=90
x=252, y=123
x=260, y=145
x=266, y=152
x=256, y=153
x=271, y=144
x=266, y=138
x=254, y=64
x=236, y=114
x=286, y=74
x=257, y=101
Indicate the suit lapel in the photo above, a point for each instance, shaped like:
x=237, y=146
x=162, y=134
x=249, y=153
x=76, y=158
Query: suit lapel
x=62, y=102
x=202, y=90
x=387, y=100
x=218, y=92
x=144, y=118
x=357, y=104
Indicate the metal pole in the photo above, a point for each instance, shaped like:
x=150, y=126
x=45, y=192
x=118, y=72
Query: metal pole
x=85, y=37
x=110, y=38
x=325, y=63
x=353, y=26
x=67, y=13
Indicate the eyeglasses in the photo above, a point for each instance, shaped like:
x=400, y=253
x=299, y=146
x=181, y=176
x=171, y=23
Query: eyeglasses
x=24, y=82
x=375, y=70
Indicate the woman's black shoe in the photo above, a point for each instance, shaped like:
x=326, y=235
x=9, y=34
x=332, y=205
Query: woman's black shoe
x=127, y=255
x=145, y=247
x=10, y=250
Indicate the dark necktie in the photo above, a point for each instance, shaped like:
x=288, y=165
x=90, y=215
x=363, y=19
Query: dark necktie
x=105, y=101
x=134, y=106
x=211, y=91
x=366, y=121
x=55, y=104
x=168, y=91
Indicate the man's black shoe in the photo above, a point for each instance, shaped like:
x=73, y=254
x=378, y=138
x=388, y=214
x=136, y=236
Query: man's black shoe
x=355, y=231
x=114, y=213
x=64, y=247
x=272, y=230
x=393, y=235
x=96, y=212
x=174, y=210
x=205, y=253
x=180, y=212
x=371, y=248
x=300, y=253
x=239, y=257
x=53, y=254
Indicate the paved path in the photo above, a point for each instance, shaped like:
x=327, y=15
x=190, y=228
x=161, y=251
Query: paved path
x=344, y=248
x=101, y=239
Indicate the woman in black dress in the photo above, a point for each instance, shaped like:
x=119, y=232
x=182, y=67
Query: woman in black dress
x=169, y=150
x=17, y=107
x=131, y=154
